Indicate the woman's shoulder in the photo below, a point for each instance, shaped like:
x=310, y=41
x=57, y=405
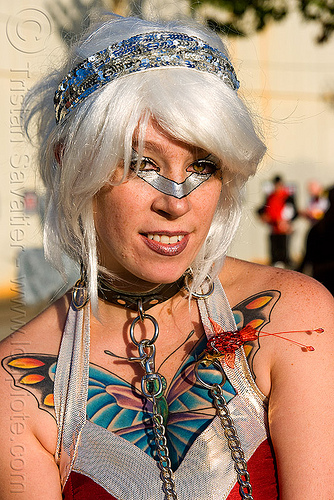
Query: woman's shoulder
x=294, y=315
x=242, y=279
x=40, y=335
x=300, y=303
x=27, y=357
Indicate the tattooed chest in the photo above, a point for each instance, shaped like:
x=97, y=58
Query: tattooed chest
x=115, y=404
x=185, y=405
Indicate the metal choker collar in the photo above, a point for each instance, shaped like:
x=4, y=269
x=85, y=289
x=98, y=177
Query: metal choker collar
x=131, y=300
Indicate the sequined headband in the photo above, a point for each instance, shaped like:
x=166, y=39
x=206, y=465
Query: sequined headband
x=140, y=53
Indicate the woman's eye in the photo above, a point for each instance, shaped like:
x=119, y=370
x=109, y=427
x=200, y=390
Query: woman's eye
x=145, y=164
x=203, y=167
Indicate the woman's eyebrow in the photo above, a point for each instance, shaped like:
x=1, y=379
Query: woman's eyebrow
x=150, y=145
x=156, y=147
x=210, y=157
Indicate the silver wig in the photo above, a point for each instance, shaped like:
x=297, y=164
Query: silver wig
x=193, y=106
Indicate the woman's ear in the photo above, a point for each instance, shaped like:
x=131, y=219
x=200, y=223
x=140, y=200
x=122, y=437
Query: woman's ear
x=58, y=152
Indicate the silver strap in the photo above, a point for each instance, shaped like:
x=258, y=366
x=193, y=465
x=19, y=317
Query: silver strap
x=218, y=308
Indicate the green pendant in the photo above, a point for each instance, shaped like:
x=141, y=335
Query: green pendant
x=161, y=401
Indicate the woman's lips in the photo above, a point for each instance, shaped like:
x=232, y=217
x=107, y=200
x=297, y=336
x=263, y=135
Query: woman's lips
x=164, y=248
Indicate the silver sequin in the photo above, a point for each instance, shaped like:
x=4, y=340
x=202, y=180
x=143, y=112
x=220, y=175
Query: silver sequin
x=140, y=53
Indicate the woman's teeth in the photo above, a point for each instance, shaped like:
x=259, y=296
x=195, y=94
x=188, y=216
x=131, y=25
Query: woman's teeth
x=163, y=238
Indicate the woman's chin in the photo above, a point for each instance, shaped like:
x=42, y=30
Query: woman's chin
x=145, y=281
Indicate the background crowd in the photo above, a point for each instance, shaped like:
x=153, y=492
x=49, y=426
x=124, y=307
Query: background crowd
x=279, y=211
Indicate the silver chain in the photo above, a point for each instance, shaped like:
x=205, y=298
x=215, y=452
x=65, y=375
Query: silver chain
x=166, y=472
x=233, y=441
x=152, y=388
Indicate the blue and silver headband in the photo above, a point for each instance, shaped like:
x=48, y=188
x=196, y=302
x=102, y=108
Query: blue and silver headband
x=140, y=53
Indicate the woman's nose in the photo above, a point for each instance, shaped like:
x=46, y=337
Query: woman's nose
x=171, y=207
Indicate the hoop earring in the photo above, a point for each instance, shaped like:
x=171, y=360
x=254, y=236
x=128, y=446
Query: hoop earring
x=200, y=296
x=80, y=295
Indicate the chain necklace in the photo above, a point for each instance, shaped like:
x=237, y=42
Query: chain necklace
x=153, y=386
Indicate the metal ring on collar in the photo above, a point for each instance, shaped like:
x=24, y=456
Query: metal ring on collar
x=156, y=329
x=140, y=309
x=80, y=295
x=219, y=367
x=200, y=295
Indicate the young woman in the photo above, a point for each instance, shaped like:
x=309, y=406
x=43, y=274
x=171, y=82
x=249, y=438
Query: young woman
x=166, y=372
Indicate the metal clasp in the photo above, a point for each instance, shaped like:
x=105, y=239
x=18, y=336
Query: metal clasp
x=217, y=365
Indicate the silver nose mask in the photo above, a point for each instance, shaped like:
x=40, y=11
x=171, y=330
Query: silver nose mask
x=170, y=187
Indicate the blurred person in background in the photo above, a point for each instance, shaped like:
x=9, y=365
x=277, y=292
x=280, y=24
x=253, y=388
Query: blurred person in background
x=317, y=204
x=319, y=252
x=278, y=212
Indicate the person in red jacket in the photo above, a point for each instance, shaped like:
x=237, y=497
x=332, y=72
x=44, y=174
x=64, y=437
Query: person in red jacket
x=279, y=211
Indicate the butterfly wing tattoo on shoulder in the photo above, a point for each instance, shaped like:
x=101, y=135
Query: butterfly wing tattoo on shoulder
x=34, y=373
x=255, y=311
x=108, y=395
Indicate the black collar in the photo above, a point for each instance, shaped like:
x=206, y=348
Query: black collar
x=131, y=300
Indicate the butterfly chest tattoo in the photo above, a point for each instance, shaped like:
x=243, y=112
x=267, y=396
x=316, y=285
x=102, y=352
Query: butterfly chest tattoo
x=181, y=410
x=116, y=405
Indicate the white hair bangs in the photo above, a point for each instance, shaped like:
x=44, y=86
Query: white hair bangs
x=192, y=106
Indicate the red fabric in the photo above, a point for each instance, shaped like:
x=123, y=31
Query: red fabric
x=262, y=471
x=261, y=468
x=80, y=487
x=274, y=209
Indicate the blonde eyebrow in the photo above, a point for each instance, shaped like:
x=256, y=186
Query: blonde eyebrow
x=150, y=145
x=161, y=149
